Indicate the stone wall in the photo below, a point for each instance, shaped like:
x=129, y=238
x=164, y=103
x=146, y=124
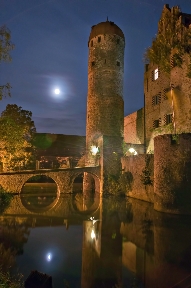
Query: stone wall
x=139, y=183
x=13, y=182
x=172, y=170
x=134, y=127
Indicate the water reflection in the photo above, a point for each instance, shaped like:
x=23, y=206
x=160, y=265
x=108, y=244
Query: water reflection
x=91, y=243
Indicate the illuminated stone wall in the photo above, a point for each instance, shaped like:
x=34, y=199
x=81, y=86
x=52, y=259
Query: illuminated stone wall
x=13, y=182
x=152, y=88
x=172, y=168
x=133, y=167
x=105, y=107
x=134, y=127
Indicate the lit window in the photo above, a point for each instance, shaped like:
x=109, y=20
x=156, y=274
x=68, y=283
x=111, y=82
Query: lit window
x=156, y=74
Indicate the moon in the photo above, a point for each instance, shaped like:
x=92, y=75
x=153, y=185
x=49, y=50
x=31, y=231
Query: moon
x=57, y=91
x=49, y=257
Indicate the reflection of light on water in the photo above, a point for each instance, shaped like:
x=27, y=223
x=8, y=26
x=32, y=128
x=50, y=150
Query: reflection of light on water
x=93, y=234
x=49, y=257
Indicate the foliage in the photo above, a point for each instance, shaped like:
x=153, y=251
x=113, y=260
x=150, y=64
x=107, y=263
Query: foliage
x=173, y=38
x=81, y=162
x=16, y=134
x=146, y=172
x=5, y=199
x=6, y=281
x=119, y=184
x=5, y=47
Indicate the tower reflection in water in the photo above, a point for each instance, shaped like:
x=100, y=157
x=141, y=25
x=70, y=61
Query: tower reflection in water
x=125, y=243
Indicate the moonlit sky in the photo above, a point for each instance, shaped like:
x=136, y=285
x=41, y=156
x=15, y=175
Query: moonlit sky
x=51, y=51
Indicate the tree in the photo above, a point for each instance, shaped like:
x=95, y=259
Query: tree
x=16, y=134
x=171, y=42
x=5, y=47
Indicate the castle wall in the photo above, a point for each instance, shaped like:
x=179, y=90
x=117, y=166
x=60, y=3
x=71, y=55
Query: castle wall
x=136, y=179
x=156, y=111
x=172, y=174
x=181, y=94
x=134, y=127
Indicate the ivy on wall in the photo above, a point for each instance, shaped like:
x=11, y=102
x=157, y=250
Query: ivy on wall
x=173, y=39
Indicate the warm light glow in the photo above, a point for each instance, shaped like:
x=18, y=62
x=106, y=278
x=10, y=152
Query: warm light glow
x=93, y=234
x=94, y=150
x=133, y=151
x=57, y=91
x=156, y=74
x=93, y=220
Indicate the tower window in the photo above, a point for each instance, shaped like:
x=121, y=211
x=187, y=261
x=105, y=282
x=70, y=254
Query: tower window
x=118, y=41
x=156, y=74
x=168, y=118
x=105, y=61
x=118, y=63
x=156, y=99
x=157, y=123
x=92, y=43
x=99, y=39
x=165, y=94
x=93, y=63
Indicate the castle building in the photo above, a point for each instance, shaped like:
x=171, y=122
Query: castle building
x=167, y=83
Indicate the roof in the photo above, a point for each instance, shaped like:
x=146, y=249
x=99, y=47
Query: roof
x=59, y=145
x=107, y=27
x=38, y=280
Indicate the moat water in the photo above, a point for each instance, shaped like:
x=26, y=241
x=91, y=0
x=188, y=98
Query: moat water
x=94, y=243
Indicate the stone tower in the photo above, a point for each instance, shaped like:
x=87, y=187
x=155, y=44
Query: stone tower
x=105, y=106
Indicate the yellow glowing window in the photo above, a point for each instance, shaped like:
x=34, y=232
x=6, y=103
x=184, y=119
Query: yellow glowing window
x=156, y=74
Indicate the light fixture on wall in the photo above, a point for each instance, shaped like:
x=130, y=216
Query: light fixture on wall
x=132, y=151
x=94, y=150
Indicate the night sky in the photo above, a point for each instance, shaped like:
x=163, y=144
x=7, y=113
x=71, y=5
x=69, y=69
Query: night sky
x=51, y=51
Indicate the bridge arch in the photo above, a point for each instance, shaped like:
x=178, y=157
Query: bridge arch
x=39, y=193
x=40, y=176
x=87, y=177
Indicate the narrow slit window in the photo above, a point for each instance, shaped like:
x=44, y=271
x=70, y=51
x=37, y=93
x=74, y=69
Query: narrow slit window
x=118, y=41
x=92, y=43
x=118, y=63
x=93, y=63
x=99, y=39
x=157, y=123
x=156, y=99
x=168, y=118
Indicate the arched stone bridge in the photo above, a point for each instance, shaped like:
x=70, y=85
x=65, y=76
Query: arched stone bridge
x=64, y=178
